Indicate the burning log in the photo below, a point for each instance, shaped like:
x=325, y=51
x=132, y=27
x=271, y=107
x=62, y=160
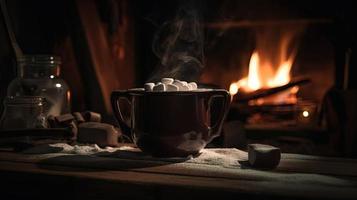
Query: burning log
x=243, y=97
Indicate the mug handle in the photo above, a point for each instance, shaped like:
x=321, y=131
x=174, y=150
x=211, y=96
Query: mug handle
x=223, y=110
x=114, y=98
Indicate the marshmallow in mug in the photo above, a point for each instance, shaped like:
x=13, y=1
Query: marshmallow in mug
x=182, y=85
x=167, y=80
x=149, y=86
x=192, y=85
x=172, y=87
x=169, y=84
x=159, y=87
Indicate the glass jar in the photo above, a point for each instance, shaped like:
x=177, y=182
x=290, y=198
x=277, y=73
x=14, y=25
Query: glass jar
x=23, y=112
x=38, y=75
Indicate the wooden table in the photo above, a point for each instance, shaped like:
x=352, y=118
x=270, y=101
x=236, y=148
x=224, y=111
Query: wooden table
x=88, y=177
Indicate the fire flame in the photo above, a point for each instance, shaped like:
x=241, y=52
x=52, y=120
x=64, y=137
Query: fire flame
x=282, y=76
x=259, y=77
x=255, y=81
x=270, y=64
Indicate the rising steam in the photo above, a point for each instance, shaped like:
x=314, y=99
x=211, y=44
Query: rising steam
x=179, y=45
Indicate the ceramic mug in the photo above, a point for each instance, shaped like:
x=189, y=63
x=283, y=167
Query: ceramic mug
x=175, y=123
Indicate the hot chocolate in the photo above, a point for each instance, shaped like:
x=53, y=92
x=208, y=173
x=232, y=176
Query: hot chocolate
x=174, y=123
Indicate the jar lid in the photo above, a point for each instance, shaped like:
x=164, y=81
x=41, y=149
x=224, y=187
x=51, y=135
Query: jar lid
x=48, y=60
x=24, y=100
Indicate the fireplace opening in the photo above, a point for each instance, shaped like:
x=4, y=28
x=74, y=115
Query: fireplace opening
x=278, y=75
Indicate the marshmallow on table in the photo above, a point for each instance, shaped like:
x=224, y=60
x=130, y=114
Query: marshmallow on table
x=160, y=87
x=149, y=86
x=263, y=156
x=65, y=118
x=101, y=134
x=90, y=116
x=78, y=117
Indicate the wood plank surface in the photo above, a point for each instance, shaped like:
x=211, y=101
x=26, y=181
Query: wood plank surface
x=158, y=181
x=166, y=178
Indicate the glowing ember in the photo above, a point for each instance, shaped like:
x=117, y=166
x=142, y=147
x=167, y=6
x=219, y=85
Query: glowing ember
x=305, y=113
x=233, y=89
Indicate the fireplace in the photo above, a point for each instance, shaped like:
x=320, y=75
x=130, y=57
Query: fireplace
x=273, y=59
x=272, y=67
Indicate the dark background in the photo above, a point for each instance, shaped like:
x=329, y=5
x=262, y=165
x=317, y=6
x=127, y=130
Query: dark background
x=56, y=27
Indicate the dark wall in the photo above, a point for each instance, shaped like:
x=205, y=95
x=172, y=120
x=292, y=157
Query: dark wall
x=42, y=25
x=56, y=27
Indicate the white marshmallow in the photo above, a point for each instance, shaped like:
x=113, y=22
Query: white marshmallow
x=180, y=85
x=189, y=87
x=177, y=83
x=169, y=84
x=193, y=86
x=149, y=86
x=167, y=80
x=185, y=88
x=159, y=87
x=172, y=87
